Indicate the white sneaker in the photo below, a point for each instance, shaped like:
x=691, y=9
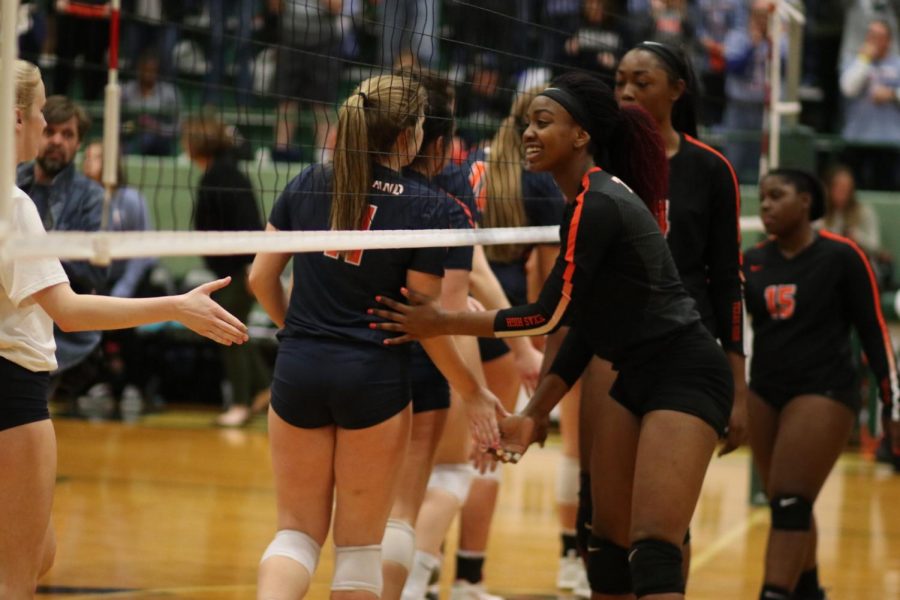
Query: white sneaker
x=463, y=590
x=582, y=588
x=569, y=568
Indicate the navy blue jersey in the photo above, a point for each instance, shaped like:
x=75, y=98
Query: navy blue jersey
x=458, y=257
x=615, y=283
x=331, y=294
x=802, y=310
x=544, y=205
x=454, y=180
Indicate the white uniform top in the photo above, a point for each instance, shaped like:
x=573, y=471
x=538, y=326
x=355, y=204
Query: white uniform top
x=26, y=331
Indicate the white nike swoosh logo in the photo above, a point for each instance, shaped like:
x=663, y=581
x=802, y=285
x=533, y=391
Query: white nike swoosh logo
x=786, y=502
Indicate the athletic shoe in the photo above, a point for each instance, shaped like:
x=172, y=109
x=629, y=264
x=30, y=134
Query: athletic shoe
x=583, y=587
x=463, y=590
x=570, y=566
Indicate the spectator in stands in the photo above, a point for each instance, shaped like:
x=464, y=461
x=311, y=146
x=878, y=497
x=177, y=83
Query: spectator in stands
x=31, y=29
x=82, y=29
x=858, y=15
x=151, y=25
x=408, y=26
x=871, y=87
x=68, y=201
x=306, y=71
x=220, y=14
x=845, y=215
x=150, y=107
x=746, y=52
x=713, y=20
x=123, y=355
x=599, y=41
x=558, y=20
x=666, y=22
x=226, y=202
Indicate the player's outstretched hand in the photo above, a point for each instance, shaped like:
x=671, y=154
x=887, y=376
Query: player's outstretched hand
x=517, y=432
x=483, y=409
x=201, y=314
x=420, y=319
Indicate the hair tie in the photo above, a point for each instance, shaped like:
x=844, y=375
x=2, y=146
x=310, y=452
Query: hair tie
x=365, y=98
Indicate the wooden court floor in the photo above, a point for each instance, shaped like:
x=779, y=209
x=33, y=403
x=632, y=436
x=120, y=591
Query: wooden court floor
x=172, y=509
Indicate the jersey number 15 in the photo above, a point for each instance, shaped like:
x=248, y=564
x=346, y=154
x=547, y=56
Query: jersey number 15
x=781, y=301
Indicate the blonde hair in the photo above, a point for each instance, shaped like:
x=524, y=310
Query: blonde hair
x=504, y=205
x=28, y=76
x=369, y=121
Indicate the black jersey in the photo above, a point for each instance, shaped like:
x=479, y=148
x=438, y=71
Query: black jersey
x=454, y=180
x=331, y=294
x=458, y=217
x=704, y=235
x=614, y=282
x=802, y=310
x=544, y=205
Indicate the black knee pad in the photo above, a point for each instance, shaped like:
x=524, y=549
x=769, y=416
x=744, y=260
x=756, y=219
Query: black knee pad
x=791, y=513
x=607, y=567
x=585, y=511
x=656, y=568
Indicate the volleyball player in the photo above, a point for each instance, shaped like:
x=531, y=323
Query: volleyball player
x=430, y=390
x=805, y=292
x=338, y=391
x=616, y=284
x=35, y=294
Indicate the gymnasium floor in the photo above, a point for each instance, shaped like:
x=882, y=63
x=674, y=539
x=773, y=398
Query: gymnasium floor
x=172, y=508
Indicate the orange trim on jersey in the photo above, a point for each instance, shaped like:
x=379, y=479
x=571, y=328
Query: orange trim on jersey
x=478, y=183
x=737, y=187
x=894, y=390
x=466, y=210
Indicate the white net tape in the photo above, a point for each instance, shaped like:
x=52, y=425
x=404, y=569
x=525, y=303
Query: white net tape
x=101, y=247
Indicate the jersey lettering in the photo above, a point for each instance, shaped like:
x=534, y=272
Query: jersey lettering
x=780, y=301
x=354, y=257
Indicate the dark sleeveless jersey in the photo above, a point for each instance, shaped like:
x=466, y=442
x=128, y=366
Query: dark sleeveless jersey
x=544, y=205
x=331, y=293
x=458, y=217
x=704, y=236
x=614, y=282
x=802, y=311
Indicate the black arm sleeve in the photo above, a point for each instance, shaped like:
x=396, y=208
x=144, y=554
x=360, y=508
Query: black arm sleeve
x=573, y=357
x=863, y=299
x=723, y=260
x=590, y=226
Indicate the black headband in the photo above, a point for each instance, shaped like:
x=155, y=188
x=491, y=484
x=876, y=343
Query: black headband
x=571, y=103
x=668, y=56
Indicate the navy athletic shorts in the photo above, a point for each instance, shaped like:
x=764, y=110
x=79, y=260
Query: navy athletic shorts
x=779, y=396
x=492, y=348
x=354, y=385
x=690, y=375
x=24, y=395
x=430, y=391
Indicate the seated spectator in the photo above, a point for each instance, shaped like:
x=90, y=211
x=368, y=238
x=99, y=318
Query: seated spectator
x=666, y=22
x=845, y=215
x=713, y=20
x=150, y=108
x=599, y=41
x=871, y=86
x=123, y=353
x=226, y=202
x=746, y=52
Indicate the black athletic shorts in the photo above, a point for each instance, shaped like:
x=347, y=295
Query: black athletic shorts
x=778, y=396
x=690, y=375
x=23, y=398
x=492, y=348
x=430, y=391
x=354, y=385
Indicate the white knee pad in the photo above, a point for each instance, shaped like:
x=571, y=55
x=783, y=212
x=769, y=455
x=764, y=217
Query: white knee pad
x=453, y=479
x=567, y=480
x=495, y=475
x=295, y=545
x=399, y=543
x=357, y=568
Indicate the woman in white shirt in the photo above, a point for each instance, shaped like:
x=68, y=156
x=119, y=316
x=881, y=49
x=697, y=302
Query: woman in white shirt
x=33, y=294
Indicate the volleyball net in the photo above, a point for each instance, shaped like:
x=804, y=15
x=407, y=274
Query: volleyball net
x=272, y=75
